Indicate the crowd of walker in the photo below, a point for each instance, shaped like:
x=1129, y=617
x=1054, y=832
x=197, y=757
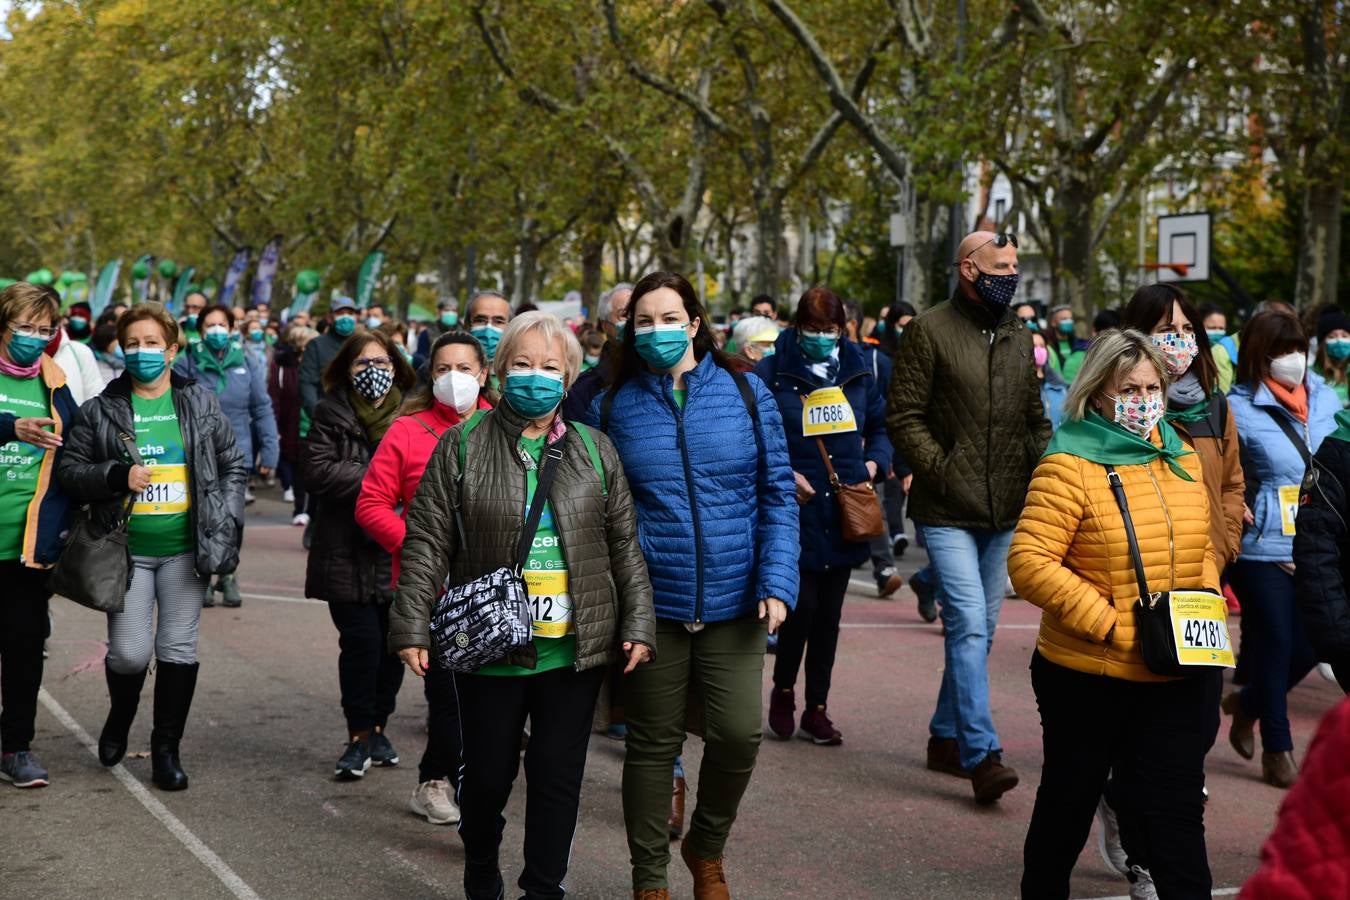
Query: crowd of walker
x=703, y=495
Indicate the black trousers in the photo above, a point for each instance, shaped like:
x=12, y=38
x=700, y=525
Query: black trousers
x=441, y=759
x=492, y=711
x=1152, y=737
x=23, y=628
x=368, y=674
x=812, y=630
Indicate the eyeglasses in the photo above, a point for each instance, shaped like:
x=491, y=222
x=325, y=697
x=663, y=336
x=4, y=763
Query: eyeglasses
x=34, y=331
x=379, y=362
x=1000, y=240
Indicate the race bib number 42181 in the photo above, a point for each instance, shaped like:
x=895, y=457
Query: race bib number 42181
x=1200, y=629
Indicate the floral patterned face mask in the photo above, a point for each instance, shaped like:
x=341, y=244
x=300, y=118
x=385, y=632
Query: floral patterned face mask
x=1139, y=413
x=1178, y=350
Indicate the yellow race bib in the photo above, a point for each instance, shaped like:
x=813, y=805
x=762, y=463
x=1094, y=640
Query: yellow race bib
x=550, y=604
x=1288, y=508
x=166, y=494
x=1200, y=629
x=827, y=411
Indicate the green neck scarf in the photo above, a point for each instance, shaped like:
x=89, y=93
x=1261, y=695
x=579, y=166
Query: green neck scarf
x=1095, y=439
x=376, y=419
x=1188, y=414
x=1342, y=432
x=207, y=361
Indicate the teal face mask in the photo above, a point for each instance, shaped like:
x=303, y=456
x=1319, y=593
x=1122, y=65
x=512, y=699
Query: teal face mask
x=145, y=365
x=190, y=322
x=449, y=319
x=488, y=336
x=344, y=325
x=26, y=349
x=533, y=393
x=217, y=337
x=256, y=335
x=1216, y=334
x=1066, y=327
x=1338, y=348
x=816, y=346
x=662, y=346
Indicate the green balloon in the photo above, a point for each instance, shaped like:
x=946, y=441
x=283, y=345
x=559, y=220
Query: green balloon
x=168, y=268
x=69, y=277
x=193, y=288
x=6, y=282
x=40, y=276
x=140, y=270
x=306, y=281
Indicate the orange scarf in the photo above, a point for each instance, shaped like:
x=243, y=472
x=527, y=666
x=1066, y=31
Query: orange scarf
x=1296, y=400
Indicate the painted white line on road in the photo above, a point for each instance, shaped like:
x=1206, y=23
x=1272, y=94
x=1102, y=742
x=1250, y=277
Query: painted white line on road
x=933, y=627
x=422, y=876
x=1218, y=892
x=279, y=598
x=194, y=844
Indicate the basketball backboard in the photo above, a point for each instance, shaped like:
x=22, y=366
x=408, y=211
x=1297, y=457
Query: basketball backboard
x=1184, y=241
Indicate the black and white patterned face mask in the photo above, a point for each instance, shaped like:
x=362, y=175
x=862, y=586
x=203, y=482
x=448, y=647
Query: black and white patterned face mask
x=996, y=290
x=373, y=383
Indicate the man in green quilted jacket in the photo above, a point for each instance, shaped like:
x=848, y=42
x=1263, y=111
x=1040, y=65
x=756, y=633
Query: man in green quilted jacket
x=965, y=413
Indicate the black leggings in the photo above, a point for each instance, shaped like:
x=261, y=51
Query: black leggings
x=23, y=628
x=368, y=674
x=441, y=759
x=812, y=630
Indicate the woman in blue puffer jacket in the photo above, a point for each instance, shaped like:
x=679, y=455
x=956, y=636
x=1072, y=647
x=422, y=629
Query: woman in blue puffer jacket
x=1282, y=413
x=817, y=373
x=705, y=456
x=240, y=384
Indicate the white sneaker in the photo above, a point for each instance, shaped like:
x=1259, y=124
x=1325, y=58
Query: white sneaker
x=1141, y=884
x=1108, y=839
x=288, y=495
x=1325, y=670
x=248, y=497
x=433, y=800
x=300, y=520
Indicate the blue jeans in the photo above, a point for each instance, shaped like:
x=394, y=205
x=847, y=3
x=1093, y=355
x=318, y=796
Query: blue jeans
x=1275, y=645
x=971, y=565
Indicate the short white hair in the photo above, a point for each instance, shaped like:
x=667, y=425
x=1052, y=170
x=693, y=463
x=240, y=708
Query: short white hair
x=748, y=328
x=547, y=325
x=606, y=303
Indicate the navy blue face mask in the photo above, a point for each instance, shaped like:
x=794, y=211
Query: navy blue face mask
x=995, y=290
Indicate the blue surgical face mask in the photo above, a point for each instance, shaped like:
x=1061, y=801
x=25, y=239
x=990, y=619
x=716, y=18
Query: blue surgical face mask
x=449, y=319
x=817, y=346
x=534, y=393
x=488, y=336
x=190, y=322
x=256, y=335
x=217, y=337
x=1215, y=334
x=1065, y=327
x=373, y=322
x=146, y=365
x=1338, y=348
x=662, y=346
x=344, y=325
x=26, y=349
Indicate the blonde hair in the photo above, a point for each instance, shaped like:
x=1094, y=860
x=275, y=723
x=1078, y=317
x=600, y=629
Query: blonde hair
x=551, y=329
x=153, y=312
x=1111, y=357
x=24, y=300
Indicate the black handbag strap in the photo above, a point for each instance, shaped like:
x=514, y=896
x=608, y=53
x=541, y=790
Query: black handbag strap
x=134, y=452
x=1290, y=432
x=1118, y=488
x=552, y=456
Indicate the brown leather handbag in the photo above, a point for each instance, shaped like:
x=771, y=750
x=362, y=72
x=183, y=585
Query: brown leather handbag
x=859, y=512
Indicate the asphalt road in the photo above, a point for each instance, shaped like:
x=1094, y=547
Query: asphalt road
x=264, y=818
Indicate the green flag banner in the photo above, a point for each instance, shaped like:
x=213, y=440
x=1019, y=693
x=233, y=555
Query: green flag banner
x=104, y=287
x=367, y=277
x=182, y=287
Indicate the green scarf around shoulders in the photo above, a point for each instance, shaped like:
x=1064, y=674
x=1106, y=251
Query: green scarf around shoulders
x=206, y=361
x=1188, y=414
x=1097, y=440
x=375, y=420
x=1342, y=432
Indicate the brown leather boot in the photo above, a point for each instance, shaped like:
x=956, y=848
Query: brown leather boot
x=1279, y=769
x=676, y=822
x=652, y=894
x=945, y=756
x=1241, y=732
x=991, y=779
x=710, y=879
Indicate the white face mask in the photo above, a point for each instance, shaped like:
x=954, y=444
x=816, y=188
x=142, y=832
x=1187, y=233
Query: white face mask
x=457, y=390
x=1288, y=369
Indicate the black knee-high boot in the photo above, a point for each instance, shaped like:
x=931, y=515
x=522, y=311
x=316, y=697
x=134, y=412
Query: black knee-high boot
x=174, y=686
x=124, y=696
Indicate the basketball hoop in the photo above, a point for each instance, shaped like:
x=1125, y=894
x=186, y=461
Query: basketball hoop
x=1181, y=269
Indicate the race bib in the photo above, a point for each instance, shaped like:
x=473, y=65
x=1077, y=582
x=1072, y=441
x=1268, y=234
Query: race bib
x=166, y=494
x=1200, y=629
x=550, y=604
x=827, y=411
x=1288, y=508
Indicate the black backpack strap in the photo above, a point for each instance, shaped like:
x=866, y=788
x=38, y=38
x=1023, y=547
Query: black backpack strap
x=606, y=407
x=1290, y=432
x=751, y=407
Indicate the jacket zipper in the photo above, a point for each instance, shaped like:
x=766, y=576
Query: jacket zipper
x=693, y=505
x=187, y=462
x=989, y=435
x=1171, y=543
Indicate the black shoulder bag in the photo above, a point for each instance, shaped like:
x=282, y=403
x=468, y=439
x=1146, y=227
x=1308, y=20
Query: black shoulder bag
x=482, y=621
x=94, y=569
x=1192, y=636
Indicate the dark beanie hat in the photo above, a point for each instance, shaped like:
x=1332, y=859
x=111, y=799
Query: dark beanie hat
x=1331, y=320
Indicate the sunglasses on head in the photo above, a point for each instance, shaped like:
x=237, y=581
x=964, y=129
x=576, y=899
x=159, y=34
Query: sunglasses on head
x=1000, y=240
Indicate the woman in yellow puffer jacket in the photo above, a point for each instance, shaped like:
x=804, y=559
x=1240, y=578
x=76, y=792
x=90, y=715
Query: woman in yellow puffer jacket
x=1102, y=710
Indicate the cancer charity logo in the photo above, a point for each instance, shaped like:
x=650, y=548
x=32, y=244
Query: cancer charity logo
x=161, y=446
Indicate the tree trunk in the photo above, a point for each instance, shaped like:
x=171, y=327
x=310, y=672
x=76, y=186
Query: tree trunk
x=768, y=238
x=1077, y=262
x=470, y=273
x=447, y=287
x=527, y=267
x=592, y=261
x=1319, y=248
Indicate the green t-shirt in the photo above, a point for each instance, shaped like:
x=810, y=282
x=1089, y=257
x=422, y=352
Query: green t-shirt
x=25, y=398
x=555, y=639
x=681, y=395
x=161, y=524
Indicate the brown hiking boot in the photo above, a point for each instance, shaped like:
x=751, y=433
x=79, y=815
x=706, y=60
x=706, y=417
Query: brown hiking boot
x=1279, y=769
x=944, y=755
x=710, y=879
x=991, y=779
x=652, y=894
x=1241, y=733
x=676, y=822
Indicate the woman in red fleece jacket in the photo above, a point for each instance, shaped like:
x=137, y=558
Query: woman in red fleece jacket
x=458, y=368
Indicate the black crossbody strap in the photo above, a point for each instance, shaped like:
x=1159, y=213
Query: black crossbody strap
x=552, y=456
x=1118, y=488
x=134, y=452
x=1290, y=432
